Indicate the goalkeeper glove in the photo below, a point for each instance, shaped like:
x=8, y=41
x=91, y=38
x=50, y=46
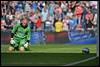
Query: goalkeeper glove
x=12, y=41
x=26, y=45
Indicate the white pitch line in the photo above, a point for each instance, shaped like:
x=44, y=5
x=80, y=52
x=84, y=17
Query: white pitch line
x=77, y=62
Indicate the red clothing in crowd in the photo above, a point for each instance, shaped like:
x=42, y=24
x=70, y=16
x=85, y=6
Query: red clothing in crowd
x=89, y=16
x=38, y=23
x=78, y=11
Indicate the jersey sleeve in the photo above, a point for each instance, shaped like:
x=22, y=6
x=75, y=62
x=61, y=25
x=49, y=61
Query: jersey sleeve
x=14, y=30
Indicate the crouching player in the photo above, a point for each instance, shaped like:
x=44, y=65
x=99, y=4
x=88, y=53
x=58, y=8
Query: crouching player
x=20, y=36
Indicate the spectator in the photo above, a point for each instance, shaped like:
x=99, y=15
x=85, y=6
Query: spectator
x=95, y=19
x=72, y=24
x=12, y=7
x=39, y=23
x=19, y=7
x=14, y=22
x=64, y=7
x=38, y=12
x=48, y=25
x=73, y=6
x=32, y=20
x=89, y=15
x=40, y=5
x=58, y=9
x=75, y=21
x=83, y=16
x=3, y=24
x=56, y=16
x=51, y=10
x=65, y=24
x=34, y=6
x=18, y=17
x=69, y=13
x=90, y=28
x=27, y=7
x=3, y=10
x=51, y=19
x=78, y=12
x=9, y=21
x=44, y=15
x=69, y=5
x=89, y=24
x=59, y=25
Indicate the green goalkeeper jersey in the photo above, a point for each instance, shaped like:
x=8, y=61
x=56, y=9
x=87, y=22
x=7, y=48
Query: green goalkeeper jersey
x=21, y=32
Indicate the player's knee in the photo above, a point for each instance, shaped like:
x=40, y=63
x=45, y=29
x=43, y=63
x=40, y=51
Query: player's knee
x=11, y=48
x=21, y=49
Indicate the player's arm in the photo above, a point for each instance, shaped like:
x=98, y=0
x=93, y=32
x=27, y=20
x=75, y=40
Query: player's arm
x=27, y=37
x=14, y=30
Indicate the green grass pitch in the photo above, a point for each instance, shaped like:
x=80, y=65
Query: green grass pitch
x=47, y=55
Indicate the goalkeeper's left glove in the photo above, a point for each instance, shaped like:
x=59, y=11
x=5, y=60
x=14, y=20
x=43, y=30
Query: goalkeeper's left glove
x=12, y=41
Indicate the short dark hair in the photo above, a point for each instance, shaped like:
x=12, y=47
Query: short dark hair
x=23, y=18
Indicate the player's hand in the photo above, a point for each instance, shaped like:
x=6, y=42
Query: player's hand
x=12, y=41
x=26, y=45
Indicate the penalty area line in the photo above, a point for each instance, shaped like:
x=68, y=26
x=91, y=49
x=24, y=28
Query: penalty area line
x=81, y=61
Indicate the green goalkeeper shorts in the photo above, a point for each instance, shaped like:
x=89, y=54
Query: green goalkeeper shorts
x=19, y=42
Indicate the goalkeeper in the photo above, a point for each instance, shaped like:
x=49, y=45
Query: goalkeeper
x=20, y=36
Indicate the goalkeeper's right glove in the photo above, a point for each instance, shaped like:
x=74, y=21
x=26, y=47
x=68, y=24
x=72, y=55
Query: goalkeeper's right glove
x=26, y=45
x=12, y=41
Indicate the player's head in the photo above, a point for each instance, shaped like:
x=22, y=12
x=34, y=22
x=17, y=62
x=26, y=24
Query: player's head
x=24, y=21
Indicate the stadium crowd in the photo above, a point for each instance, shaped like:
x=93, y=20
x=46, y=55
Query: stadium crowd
x=50, y=15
